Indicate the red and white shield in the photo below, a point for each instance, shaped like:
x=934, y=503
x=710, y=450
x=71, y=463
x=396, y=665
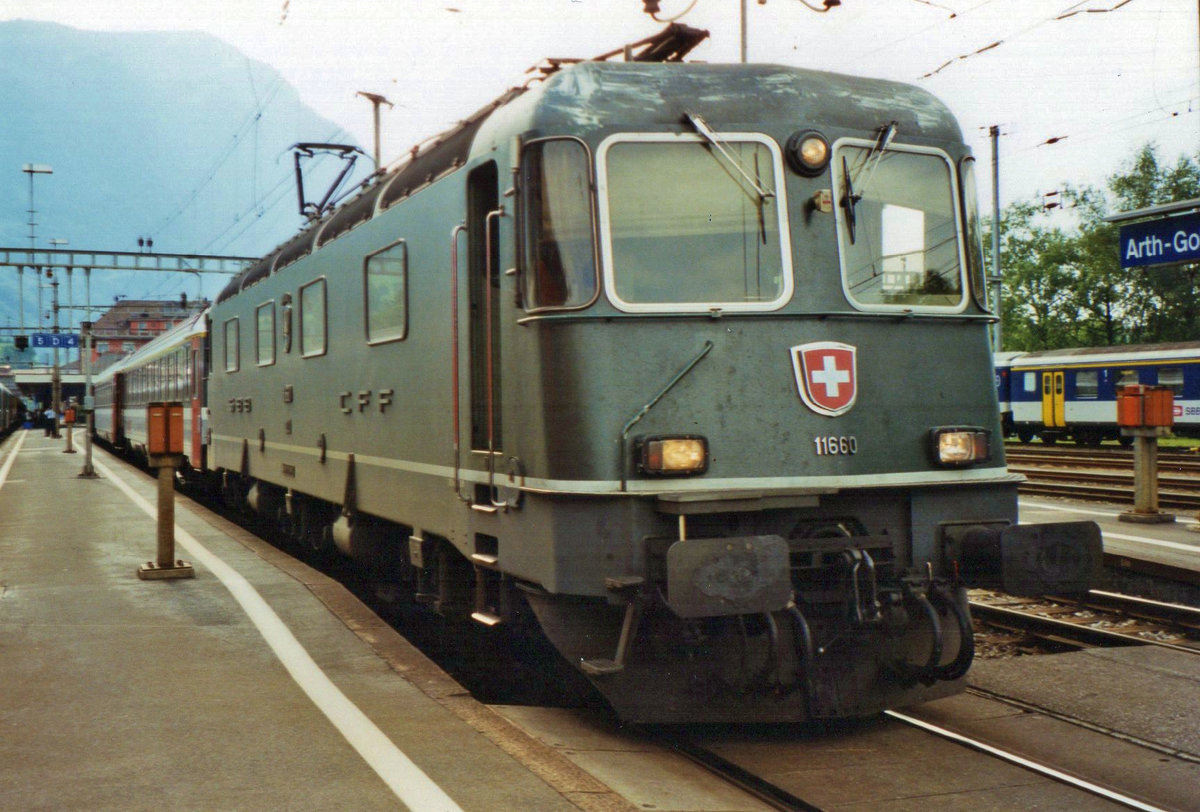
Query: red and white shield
x=826, y=376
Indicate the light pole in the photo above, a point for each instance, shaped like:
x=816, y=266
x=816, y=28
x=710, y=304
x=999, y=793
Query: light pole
x=31, y=170
x=89, y=401
x=55, y=244
x=825, y=6
x=375, y=99
x=56, y=374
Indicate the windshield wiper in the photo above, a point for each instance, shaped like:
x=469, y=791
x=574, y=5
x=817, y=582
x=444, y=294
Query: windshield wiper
x=886, y=134
x=850, y=199
x=701, y=126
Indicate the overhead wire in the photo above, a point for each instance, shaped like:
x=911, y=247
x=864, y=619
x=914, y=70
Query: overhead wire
x=1070, y=11
x=890, y=43
x=1113, y=127
x=250, y=123
x=276, y=194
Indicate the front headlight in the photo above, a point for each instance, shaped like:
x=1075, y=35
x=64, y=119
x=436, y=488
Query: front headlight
x=672, y=456
x=957, y=446
x=808, y=152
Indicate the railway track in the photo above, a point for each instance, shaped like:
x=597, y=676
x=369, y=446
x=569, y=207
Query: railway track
x=1097, y=619
x=791, y=791
x=1103, y=475
x=1102, y=457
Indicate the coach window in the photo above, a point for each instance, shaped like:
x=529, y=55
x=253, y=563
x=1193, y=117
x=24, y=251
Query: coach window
x=265, y=334
x=558, y=245
x=898, y=226
x=1087, y=384
x=386, y=290
x=231, y=345
x=688, y=227
x=1127, y=377
x=312, y=319
x=1172, y=378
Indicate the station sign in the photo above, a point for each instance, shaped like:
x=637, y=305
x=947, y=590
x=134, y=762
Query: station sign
x=1161, y=242
x=68, y=341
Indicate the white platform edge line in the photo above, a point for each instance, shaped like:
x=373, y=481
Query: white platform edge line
x=407, y=781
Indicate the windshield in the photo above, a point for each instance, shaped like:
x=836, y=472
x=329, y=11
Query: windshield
x=689, y=227
x=898, y=228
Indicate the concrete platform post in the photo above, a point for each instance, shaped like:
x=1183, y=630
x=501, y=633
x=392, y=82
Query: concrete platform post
x=164, y=422
x=70, y=425
x=166, y=565
x=1145, y=477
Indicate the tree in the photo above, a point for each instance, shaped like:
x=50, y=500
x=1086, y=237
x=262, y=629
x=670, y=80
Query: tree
x=1064, y=285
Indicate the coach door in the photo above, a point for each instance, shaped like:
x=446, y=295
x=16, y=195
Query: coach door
x=1053, y=405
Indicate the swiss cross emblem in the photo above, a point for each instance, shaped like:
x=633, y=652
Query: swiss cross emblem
x=827, y=376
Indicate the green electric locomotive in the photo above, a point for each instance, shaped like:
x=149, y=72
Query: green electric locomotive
x=687, y=364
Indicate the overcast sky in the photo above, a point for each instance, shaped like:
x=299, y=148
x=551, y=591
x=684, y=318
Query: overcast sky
x=1103, y=83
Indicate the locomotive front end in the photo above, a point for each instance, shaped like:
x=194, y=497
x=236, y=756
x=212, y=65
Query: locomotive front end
x=762, y=342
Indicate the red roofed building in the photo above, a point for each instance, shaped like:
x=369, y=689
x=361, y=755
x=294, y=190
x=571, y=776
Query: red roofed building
x=130, y=323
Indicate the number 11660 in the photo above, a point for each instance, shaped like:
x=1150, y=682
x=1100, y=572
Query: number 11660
x=833, y=445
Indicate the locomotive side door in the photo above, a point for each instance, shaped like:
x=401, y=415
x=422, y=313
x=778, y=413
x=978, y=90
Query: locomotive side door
x=1053, y=401
x=483, y=304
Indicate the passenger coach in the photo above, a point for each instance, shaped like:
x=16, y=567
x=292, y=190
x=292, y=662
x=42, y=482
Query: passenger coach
x=171, y=367
x=1072, y=394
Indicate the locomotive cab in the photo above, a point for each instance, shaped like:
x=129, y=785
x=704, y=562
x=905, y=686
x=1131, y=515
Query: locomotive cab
x=800, y=373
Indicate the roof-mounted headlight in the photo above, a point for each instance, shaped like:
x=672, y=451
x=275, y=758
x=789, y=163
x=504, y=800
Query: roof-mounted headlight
x=672, y=455
x=958, y=446
x=808, y=152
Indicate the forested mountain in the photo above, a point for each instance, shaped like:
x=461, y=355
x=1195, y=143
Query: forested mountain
x=176, y=137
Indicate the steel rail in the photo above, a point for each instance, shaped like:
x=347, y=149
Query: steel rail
x=1021, y=761
x=774, y=796
x=1143, y=608
x=1088, y=635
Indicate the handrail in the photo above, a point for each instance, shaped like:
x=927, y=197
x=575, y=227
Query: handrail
x=708, y=345
x=490, y=356
x=454, y=363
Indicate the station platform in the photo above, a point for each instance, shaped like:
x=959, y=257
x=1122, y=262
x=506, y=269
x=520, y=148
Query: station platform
x=257, y=684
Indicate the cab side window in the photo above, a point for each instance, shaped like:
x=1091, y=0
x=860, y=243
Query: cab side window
x=231, y=345
x=312, y=319
x=386, y=290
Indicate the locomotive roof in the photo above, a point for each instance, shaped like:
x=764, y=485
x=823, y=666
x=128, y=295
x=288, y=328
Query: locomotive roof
x=588, y=97
x=606, y=95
